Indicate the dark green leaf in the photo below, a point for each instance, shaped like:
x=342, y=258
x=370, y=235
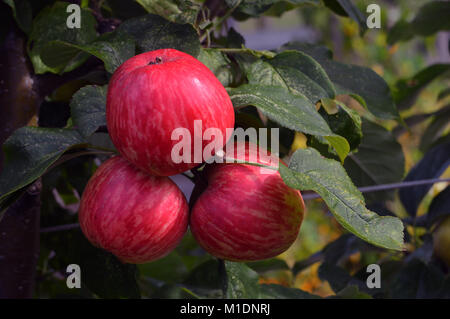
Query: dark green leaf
x=268, y=265
x=113, y=49
x=219, y=64
x=434, y=130
x=439, y=207
x=289, y=110
x=427, y=21
x=309, y=171
x=170, y=269
x=251, y=7
x=273, y=291
x=152, y=32
x=348, y=9
x=379, y=160
x=242, y=281
x=296, y=71
x=101, y=141
x=88, y=108
x=417, y=280
x=180, y=11
x=353, y=292
x=337, y=277
x=22, y=13
x=343, y=247
x=425, y=252
x=360, y=82
x=125, y=9
x=102, y=272
x=407, y=90
x=432, y=165
x=173, y=291
x=50, y=25
x=205, y=276
x=345, y=122
x=419, y=118
x=443, y=94
x=29, y=152
x=255, y=8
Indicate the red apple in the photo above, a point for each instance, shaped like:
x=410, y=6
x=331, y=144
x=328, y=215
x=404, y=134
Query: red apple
x=154, y=93
x=245, y=214
x=135, y=216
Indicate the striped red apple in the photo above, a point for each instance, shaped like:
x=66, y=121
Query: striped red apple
x=136, y=216
x=154, y=93
x=244, y=213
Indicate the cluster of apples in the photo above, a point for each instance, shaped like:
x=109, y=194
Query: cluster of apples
x=131, y=208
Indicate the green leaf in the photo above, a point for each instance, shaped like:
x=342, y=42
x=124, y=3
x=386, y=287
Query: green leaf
x=112, y=48
x=443, y=94
x=174, y=291
x=280, y=7
x=348, y=9
x=219, y=64
x=170, y=269
x=205, y=276
x=101, y=271
x=180, y=11
x=439, y=207
x=22, y=13
x=353, y=292
x=345, y=122
x=50, y=25
x=435, y=129
x=152, y=32
x=242, y=281
x=250, y=7
x=337, y=277
x=379, y=160
x=88, y=109
x=29, y=151
x=407, y=90
x=433, y=164
x=310, y=171
x=255, y=8
x=360, y=82
x=268, y=265
x=427, y=22
x=125, y=9
x=294, y=70
x=417, y=280
x=289, y=110
x=272, y=291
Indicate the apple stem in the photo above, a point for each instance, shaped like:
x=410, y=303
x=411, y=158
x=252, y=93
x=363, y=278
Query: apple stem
x=158, y=60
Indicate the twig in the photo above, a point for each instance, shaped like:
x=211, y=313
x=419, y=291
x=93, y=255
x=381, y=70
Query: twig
x=376, y=188
x=59, y=228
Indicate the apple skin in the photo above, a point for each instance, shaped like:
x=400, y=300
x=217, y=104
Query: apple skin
x=153, y=93
x=244, y=215
x=136, y=216
x=441, y=241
